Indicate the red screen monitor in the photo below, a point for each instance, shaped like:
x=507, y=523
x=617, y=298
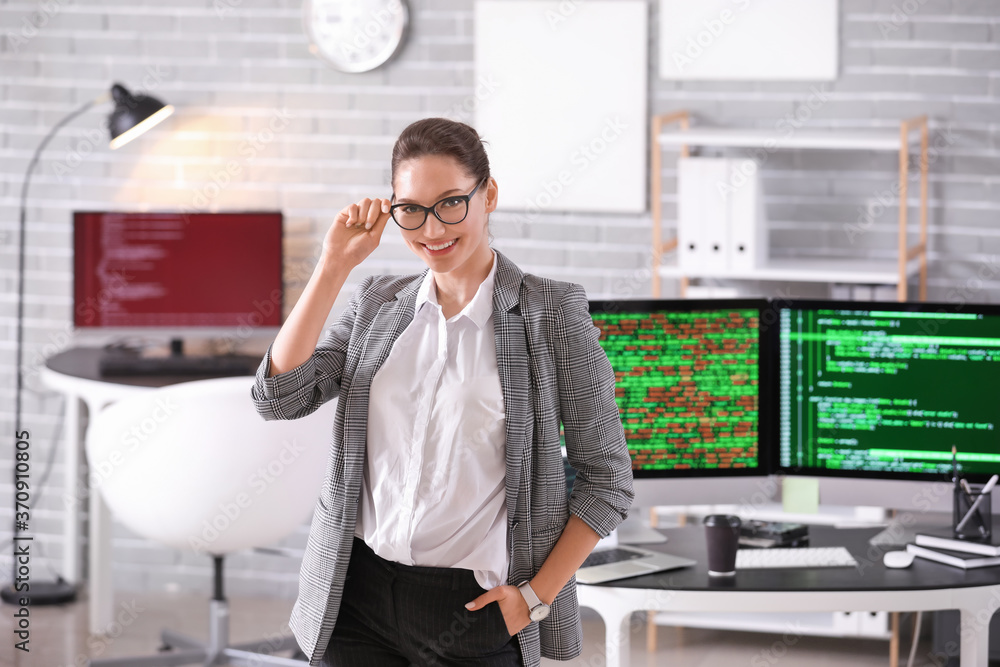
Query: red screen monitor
x=177, y=270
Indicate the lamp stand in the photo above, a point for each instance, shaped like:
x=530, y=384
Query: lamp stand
x=35, y=592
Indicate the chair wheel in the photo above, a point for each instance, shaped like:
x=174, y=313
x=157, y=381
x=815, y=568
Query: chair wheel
x=162, y=648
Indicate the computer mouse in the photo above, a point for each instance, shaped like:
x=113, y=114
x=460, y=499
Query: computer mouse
x=897, y=559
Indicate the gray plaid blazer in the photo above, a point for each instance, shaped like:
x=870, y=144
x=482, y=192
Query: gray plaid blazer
x=551, y=368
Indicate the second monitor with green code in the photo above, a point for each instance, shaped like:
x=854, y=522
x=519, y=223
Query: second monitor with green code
x=885, y=389
x=689, y=377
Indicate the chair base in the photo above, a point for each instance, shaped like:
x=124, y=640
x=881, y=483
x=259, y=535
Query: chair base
x=180, y=649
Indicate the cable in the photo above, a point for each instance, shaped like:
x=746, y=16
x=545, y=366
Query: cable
x=53, y=445
x=40, y=486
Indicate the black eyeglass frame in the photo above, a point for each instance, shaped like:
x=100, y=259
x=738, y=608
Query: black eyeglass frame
x=433, y=208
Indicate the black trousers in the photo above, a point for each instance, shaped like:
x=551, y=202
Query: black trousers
x=394, y=615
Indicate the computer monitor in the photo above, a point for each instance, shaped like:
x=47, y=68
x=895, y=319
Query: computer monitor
x=883, y=390
x=690, y=378
x=177, y=273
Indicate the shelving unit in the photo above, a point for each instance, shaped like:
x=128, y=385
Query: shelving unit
x=911, y=260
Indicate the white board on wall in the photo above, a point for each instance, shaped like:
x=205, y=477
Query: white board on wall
x=563, y=110
x=740, y=40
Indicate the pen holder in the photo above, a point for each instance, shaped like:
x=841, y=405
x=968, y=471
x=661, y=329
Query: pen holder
x=979, y=524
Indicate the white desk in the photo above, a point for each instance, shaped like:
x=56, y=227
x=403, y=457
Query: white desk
x=616, y=605
x=74, y=373
x=925, y=586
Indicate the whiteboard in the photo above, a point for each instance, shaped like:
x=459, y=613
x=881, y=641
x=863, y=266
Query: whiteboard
x=739, y=40
x=561, y=102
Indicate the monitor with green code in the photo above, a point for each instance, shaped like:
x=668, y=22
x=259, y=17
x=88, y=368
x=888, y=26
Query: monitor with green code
x=688, y=382
x=886, y=389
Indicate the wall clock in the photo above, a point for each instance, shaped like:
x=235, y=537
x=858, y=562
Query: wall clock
x=356, y=35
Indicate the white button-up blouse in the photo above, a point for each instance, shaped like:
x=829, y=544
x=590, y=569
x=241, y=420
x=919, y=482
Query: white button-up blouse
x=434, y=491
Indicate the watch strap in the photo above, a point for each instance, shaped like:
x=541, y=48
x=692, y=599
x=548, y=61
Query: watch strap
x=529, y=595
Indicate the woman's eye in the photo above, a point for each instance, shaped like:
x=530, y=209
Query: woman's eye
x=453, y=201
x=411, y=210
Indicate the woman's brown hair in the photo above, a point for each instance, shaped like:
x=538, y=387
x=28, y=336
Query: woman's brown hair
x=442, y=136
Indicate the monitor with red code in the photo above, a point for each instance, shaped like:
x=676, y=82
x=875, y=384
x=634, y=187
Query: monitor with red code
x=177, y=270
x=689, y=378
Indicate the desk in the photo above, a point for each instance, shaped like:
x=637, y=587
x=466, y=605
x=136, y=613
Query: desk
x=924, y=586
x=74, y=373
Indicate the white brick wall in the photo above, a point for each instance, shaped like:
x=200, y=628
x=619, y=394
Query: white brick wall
x=227, y=76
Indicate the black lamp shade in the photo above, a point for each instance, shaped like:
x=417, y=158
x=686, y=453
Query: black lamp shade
x=133, y=115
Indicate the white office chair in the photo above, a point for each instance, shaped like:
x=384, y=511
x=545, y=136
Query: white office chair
x=193, y=466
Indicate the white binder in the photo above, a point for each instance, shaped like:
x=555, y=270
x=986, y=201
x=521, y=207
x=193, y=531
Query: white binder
x=747, y=237
x=702, y=214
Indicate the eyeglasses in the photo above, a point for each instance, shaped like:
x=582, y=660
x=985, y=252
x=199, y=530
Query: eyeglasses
x=451, y=210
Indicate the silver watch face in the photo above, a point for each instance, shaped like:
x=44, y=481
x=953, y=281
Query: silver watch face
x=539, y=612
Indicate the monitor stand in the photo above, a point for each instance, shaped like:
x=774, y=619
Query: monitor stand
x=176, y=347
x=634, y=530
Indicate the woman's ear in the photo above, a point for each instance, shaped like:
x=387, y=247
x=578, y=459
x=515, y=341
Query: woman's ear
x=491, y=195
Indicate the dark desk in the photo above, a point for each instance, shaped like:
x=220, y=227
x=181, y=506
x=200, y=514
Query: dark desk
x=924, y=586
x=74, y=373
x=83, y=363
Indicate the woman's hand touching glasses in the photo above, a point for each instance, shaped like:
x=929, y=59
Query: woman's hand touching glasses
x=356, y=232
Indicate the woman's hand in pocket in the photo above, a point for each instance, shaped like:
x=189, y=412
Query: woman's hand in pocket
x=512, y=605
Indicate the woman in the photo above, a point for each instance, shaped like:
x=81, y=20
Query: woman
x=443, y=534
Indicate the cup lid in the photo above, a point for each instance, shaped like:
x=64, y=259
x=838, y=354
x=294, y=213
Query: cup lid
x=730, y=520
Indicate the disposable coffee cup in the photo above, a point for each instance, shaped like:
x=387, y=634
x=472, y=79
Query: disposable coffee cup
x=722, y=534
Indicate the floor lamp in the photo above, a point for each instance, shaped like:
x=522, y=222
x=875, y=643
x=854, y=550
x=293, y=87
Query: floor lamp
x=132, y=115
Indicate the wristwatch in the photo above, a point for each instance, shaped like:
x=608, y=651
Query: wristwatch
x=537, y=610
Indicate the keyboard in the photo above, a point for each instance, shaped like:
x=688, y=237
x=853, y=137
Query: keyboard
x=610, y=556
x=760, y=559
x=124, y=364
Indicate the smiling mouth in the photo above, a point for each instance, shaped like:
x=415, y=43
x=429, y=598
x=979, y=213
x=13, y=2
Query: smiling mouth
x=441, y=246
